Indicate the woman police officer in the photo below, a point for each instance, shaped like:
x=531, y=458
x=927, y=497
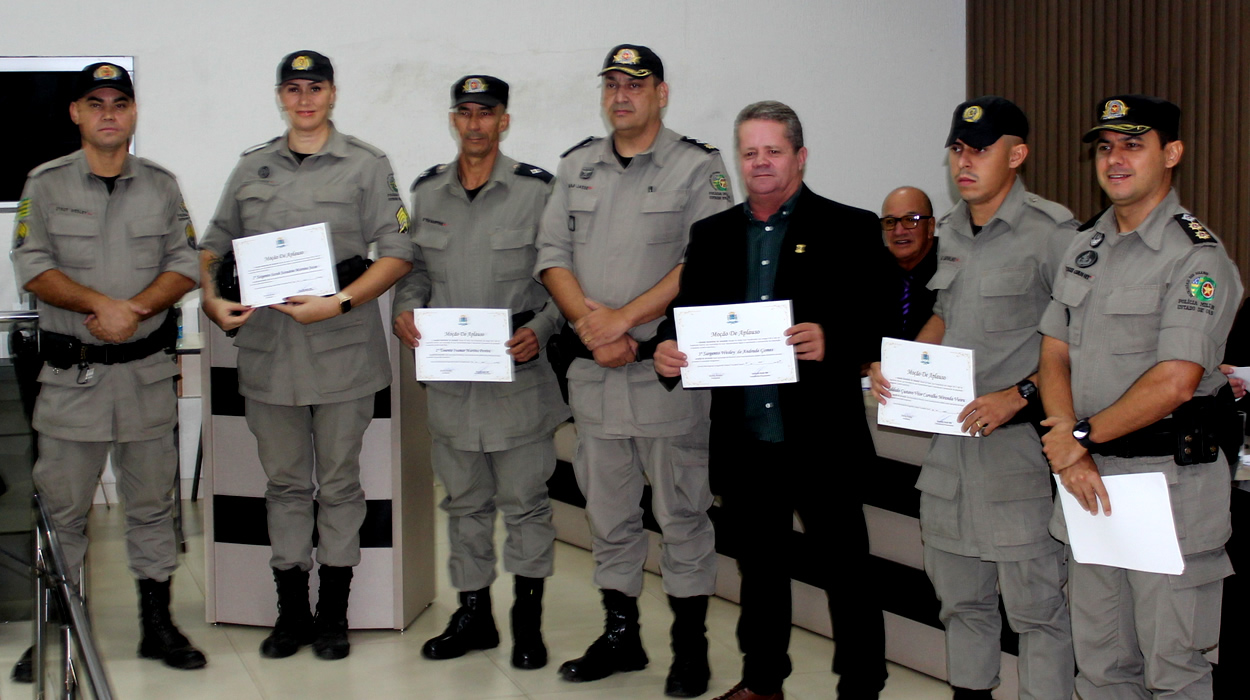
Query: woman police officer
x=309, y=367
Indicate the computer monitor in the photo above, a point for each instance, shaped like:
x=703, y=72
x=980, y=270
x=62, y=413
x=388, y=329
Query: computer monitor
x=34, y=114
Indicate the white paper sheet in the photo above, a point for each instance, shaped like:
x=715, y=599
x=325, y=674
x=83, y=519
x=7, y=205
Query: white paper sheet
x=463, y=345
x=736, y=344
x=929, y=385
x=287, y=263
x=1140, y=533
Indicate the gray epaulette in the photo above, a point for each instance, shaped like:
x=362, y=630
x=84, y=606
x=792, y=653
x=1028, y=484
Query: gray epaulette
x=373, y=150
x=580, y=144
x=527, y=170
x=1056, y=211
x=258, y=146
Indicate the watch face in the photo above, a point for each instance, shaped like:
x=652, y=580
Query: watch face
x=1081, y=430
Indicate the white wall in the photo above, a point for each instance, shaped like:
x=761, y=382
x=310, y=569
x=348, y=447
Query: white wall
x=873, y=82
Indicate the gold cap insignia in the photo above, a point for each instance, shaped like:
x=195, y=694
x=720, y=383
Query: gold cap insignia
x=474, y=85
x=106, y=72
x=800, y=248
x=626, y=56
x=1114, y=109
x=301, y=63
x=973, y=114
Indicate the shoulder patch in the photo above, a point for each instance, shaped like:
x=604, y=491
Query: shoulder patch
x=527, y=170
x=259, y=146
x=1090, y=224
x=374, y=150
x=580, y=144
x=427, y=174
x=1054, y=210
x=701, y=144
x=1194, y=229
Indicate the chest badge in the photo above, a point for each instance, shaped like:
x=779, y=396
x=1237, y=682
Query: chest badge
x=1086, y=259
x=263, y=172
x=800, y=248
x=586, y=173
x=1097, y=239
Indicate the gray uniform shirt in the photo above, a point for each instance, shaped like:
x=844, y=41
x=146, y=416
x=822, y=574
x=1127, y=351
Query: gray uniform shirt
x=480, y=254
x=620, y=231
x=992, y=499
x=1166, y=291
x=117, y=245
x=349, y=185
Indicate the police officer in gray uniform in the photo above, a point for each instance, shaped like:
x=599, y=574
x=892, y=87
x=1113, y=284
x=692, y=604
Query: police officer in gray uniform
x=104, y=240
x=985, y=502
x=476, y=220
x=1143, y=303
x=610, y=249
x=309, y=367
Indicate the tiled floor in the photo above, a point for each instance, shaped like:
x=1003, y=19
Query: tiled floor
x=389, y=664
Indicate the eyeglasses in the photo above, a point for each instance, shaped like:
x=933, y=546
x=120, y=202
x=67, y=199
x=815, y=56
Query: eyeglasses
x=909, y=222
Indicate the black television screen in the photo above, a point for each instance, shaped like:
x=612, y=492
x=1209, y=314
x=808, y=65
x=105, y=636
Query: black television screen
x=34, y=107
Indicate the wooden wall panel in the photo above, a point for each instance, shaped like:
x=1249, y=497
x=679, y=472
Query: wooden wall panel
x=1057, y=58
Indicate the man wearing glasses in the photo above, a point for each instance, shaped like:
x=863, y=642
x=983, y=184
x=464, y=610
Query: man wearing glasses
x=985, y=503
x=907, y=226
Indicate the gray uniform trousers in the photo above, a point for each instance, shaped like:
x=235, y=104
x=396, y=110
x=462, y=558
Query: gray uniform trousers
x=292, y=441
x=610, y=473
x=984, y=507
x=514, y=482
x=66, y=475
x=1142, y=635
x=1032, y=593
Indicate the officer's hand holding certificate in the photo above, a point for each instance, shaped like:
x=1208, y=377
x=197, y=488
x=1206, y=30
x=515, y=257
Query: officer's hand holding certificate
x=463, y=345
x=293, y=262
x=929, y=386
x=736, y=344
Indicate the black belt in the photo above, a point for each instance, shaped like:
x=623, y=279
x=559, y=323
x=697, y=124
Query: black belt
x=65, y=351
x=1194, y=434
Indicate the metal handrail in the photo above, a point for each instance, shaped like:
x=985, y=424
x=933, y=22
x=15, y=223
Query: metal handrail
x=52, y=584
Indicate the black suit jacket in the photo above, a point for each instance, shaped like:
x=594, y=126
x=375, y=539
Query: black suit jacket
x=828, y=269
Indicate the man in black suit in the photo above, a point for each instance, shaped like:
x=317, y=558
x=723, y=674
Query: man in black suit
x=777, y=449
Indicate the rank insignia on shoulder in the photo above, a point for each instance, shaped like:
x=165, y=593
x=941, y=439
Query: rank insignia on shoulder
x=696, y=142
x=23, y=209
x=1194, y=229
x=190, y=231
x=426, y=175
x=401, y=216
x=580, y=144
x=19, y=234
x=527, y=170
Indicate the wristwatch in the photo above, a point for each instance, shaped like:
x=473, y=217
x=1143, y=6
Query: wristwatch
x=1081, y=432
x=345, y=302
x=1027, y=389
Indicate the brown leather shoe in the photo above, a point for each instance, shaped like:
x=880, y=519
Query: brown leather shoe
x=742, y=692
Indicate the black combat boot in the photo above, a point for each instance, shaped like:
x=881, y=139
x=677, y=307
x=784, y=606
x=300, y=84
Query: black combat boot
x=294, y=627
x=472, y=627
x=528, y=650
x=619, y=648
x=688, y=676
x=330, y=625
x=161, y=639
